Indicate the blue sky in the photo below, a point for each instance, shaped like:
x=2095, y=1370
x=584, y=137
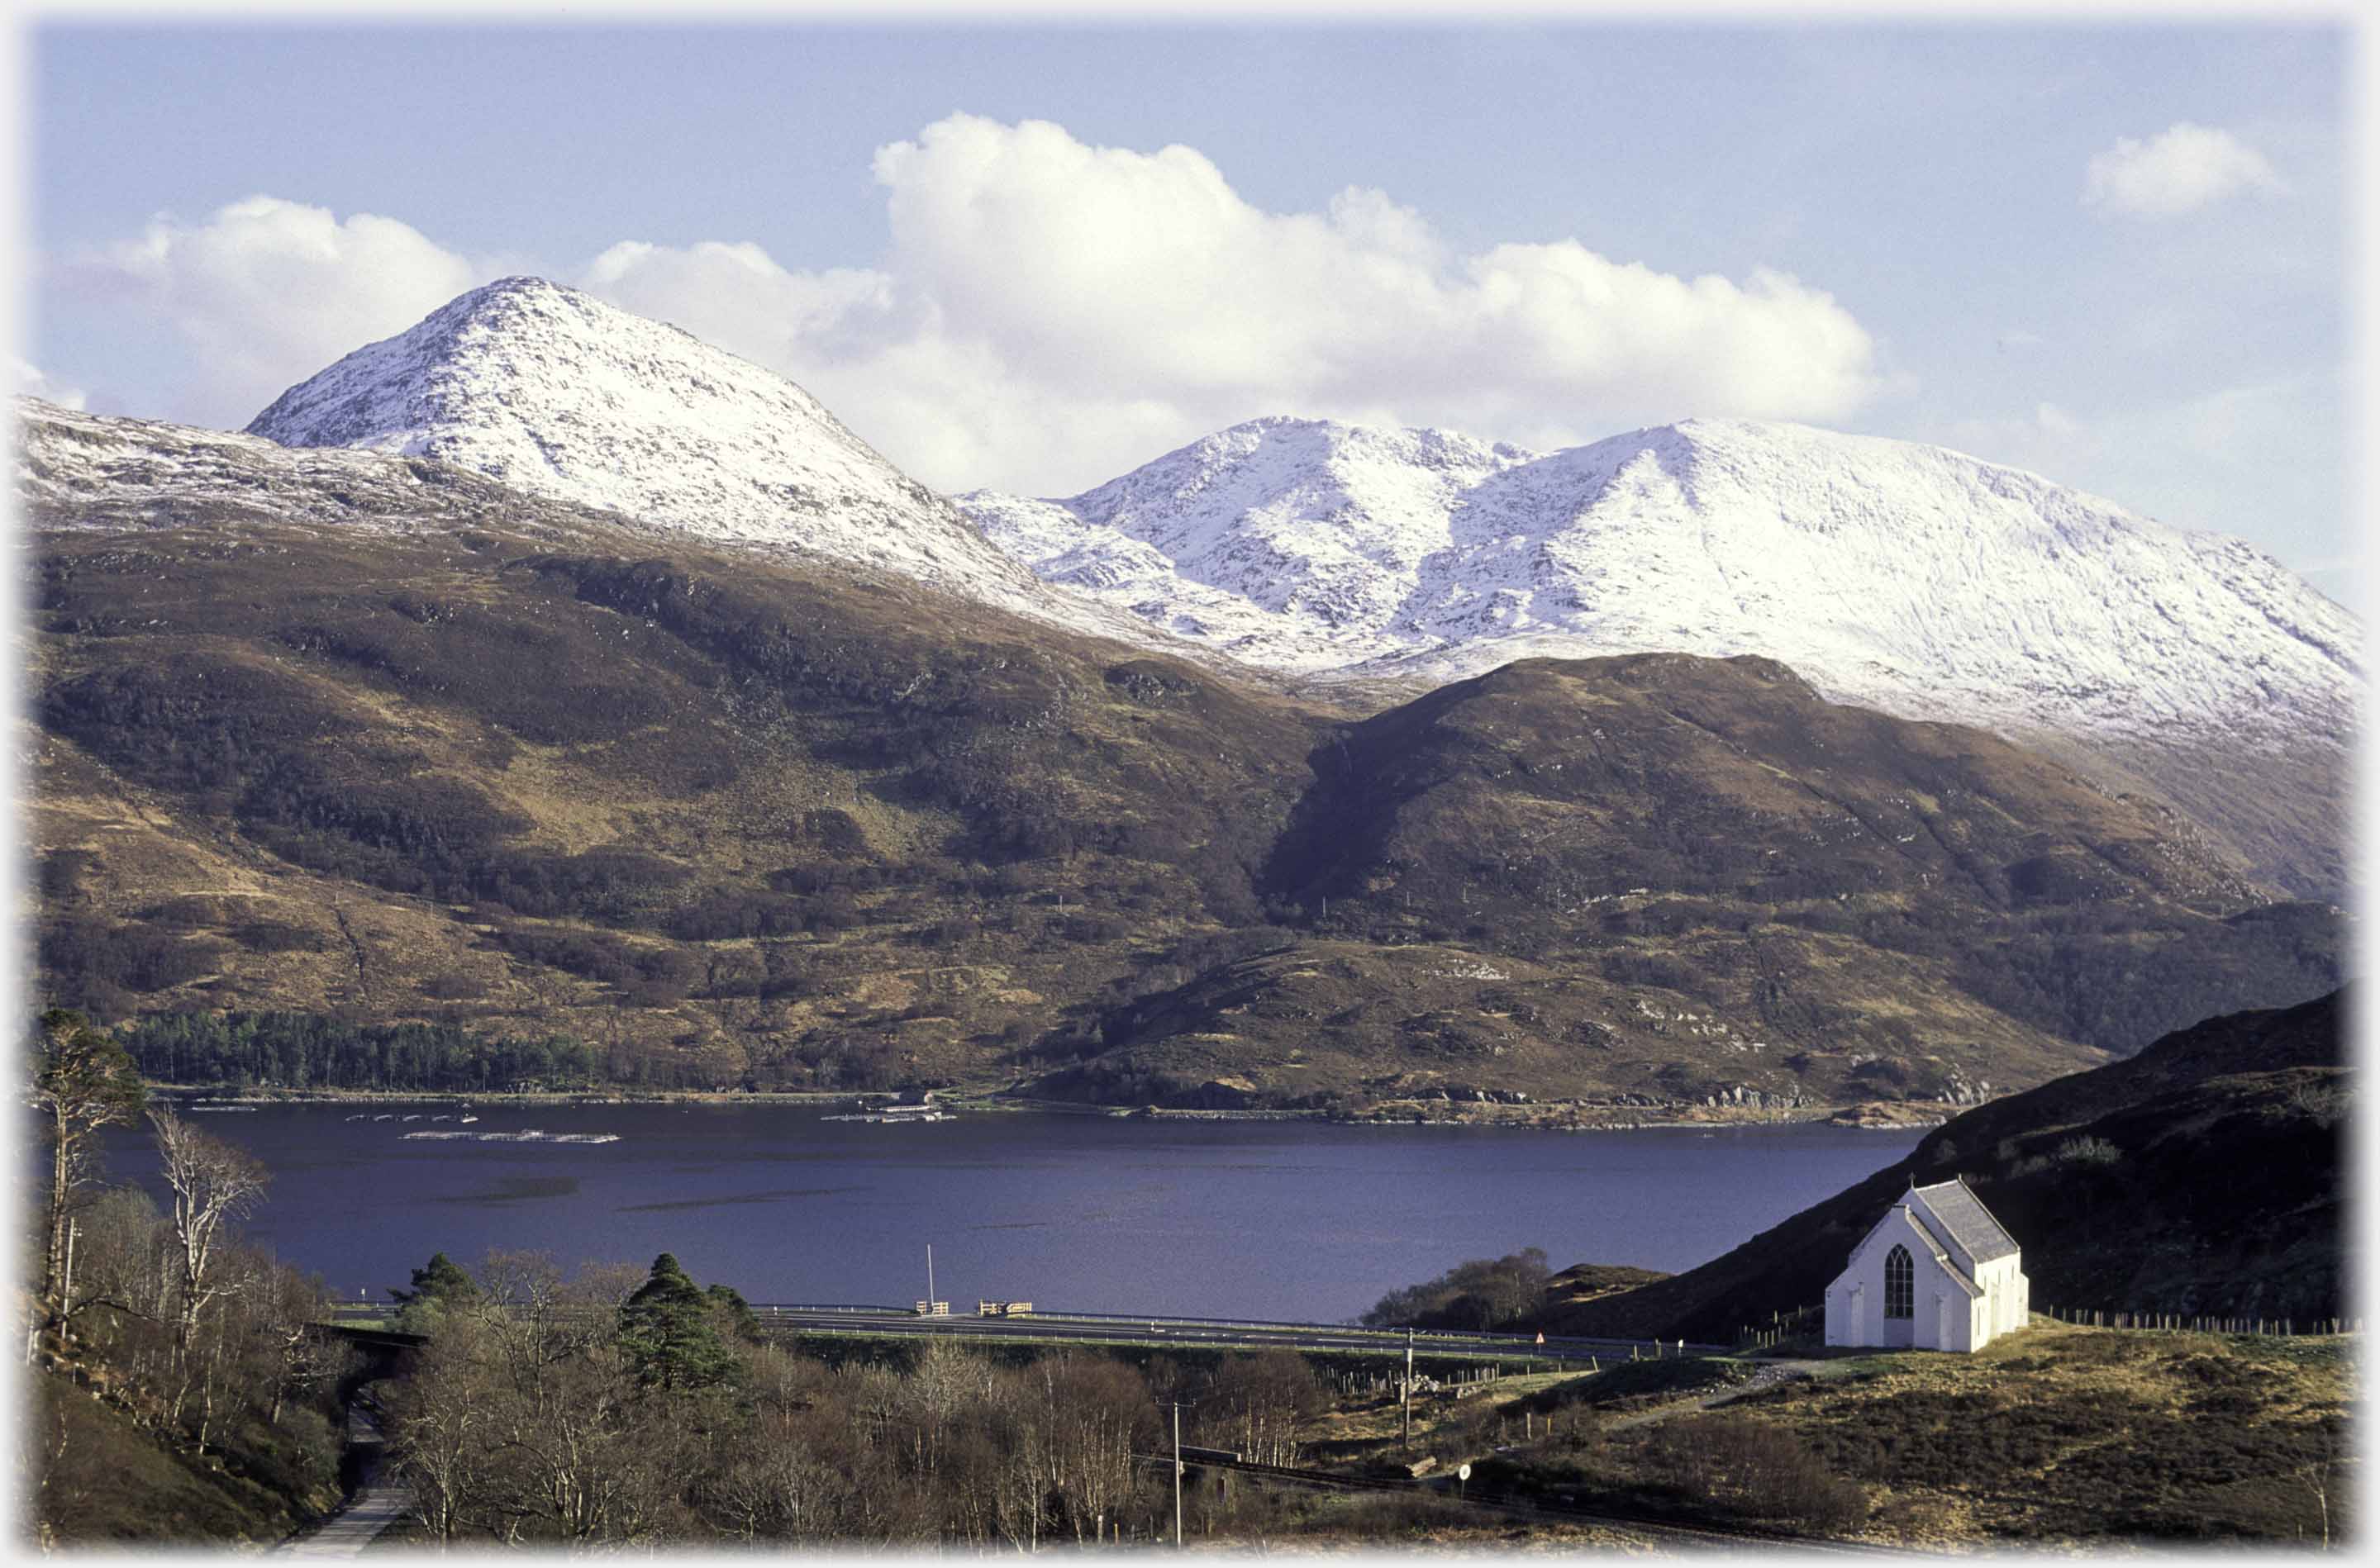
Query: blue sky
x=2114, y=254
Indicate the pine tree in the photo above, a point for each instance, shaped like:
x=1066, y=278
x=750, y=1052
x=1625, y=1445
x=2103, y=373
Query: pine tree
x=667, y=1334
x=439, y=1287
x=738, y=1312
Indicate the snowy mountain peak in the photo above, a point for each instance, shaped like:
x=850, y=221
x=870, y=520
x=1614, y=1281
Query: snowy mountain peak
x=1321, y=521
x=553, y=391
x=1838, y=554
x=1888, y=574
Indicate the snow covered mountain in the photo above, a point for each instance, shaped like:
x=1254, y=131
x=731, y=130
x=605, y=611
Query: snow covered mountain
x=1895, y=575
x=1898, y=576
x=553, y=392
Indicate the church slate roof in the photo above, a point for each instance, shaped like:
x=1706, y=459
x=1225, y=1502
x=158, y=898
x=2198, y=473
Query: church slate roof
x=1970, y=1224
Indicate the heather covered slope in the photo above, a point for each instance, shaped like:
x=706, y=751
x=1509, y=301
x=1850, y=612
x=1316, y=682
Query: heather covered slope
x=1694, y=880
x=2204, y=1175
x=1658, y=796
x=730, y=823
x=728, y=818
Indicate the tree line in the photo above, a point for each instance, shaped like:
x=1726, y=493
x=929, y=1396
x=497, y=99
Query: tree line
x=1481, y=1293
x=311, y=1051
x=601, y=1407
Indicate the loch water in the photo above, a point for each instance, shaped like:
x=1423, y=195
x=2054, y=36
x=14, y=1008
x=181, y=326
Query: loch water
x=1296, y=1221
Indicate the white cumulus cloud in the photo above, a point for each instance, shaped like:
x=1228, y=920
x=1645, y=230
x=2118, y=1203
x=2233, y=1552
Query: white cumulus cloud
x=2179, y=171
x=1048, y=313
x=24, y=377
x=265, y=292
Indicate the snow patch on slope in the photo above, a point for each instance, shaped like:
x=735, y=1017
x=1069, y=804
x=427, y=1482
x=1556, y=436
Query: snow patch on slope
x=77, y=470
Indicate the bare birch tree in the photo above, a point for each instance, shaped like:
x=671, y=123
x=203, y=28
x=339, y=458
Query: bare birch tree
x=211, y=1181
x=81, y=1081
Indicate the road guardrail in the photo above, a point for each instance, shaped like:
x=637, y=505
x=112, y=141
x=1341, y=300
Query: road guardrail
x=1519, y=1344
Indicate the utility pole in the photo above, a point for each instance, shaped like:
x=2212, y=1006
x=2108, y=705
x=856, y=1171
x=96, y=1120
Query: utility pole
x=1177, y=1474
x=1408, y=1385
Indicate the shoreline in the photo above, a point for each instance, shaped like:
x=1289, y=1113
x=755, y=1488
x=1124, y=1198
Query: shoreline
x=1907, y=1116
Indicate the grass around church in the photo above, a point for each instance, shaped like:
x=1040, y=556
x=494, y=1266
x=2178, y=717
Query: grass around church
x=2063, y=1432
x=2056, y=1434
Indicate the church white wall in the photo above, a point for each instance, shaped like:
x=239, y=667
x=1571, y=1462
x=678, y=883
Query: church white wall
x=2008, y=1302
x=1854, y=1313
x=1856, y=1299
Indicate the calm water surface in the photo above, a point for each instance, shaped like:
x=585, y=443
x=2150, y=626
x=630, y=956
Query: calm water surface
x=1298, y=1220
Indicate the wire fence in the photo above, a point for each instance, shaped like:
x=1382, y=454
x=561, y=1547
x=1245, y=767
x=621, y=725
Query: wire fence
x=1780, y=1327
x=1804, y=1320
x=2186, y=1322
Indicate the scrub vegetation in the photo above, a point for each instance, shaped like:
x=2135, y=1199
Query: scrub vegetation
x=2052, y=1435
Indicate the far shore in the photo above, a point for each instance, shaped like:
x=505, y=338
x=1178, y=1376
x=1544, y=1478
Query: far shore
x=1904, y=1117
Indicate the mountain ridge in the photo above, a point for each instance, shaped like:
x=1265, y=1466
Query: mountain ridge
x=1908, y=578
x=361, y=736
x=550, y=390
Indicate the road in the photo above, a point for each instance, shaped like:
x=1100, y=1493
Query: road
x=1211, y=1332
x=1133, y=1328
x=374, y=1507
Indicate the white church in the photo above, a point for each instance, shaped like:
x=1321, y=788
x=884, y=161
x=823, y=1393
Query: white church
x=1937, y=1273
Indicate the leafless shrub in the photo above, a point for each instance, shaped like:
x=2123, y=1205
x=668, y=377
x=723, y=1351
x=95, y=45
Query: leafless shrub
x=1758, y=1469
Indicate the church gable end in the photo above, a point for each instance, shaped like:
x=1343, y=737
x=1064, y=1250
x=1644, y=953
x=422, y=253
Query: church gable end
x=1935, y=1271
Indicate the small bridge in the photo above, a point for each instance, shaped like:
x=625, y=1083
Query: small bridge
x=379, y=1338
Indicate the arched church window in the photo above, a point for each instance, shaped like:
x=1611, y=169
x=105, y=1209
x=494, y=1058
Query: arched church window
x=1900, y=1284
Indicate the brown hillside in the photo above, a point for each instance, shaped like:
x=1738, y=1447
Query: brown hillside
x=374, y=745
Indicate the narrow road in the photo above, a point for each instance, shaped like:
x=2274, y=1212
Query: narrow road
x=373, y=1508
